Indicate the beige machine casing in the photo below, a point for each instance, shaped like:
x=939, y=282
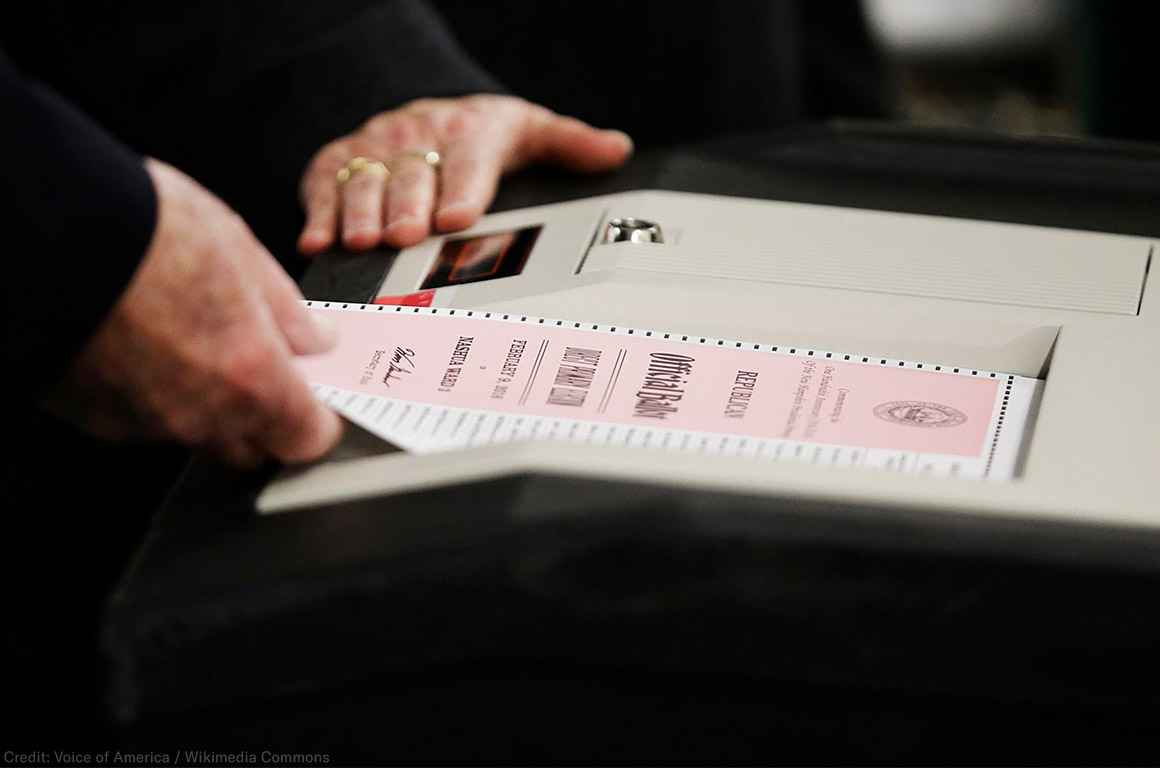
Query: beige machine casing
x=1074, y=308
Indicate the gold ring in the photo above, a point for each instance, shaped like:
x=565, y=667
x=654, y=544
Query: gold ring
x=362, y=165
x=428, y=156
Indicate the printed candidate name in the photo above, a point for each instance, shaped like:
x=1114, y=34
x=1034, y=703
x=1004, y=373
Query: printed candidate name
x=574, y=377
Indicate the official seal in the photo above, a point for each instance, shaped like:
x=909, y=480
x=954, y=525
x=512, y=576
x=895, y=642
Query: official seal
x=916, y=413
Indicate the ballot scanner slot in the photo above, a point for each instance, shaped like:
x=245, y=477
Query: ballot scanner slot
x=990, y=279
x=596, y=234
x=1144, y=278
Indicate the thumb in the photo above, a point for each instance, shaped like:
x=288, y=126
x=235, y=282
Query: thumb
x=574, y=144
x=306, y=332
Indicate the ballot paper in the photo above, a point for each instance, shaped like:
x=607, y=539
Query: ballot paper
x=437, y=379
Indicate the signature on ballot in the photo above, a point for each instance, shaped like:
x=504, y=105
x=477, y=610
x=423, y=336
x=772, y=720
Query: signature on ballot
x=402, y=361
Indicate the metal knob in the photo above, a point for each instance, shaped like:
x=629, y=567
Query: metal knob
x=628, y=229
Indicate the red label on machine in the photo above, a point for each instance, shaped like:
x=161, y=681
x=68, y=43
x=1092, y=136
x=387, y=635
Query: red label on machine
x=417, y=299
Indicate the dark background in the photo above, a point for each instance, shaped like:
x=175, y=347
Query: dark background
x=79, y=508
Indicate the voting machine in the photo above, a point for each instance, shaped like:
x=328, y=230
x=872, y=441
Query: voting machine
x=835, y=389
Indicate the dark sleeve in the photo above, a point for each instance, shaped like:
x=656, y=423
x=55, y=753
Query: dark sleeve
x=80, y=209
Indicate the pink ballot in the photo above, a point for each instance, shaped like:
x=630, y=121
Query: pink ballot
x=436, y=379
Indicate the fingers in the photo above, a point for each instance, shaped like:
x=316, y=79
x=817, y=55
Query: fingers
x=410, y=198
x=571, y=143
x=286, y=420
x=293, y=426
x=240, y=453
x=362, y=210
x=260, y=405
x=320, y=196
x=268, y=409
x=353, y=208
x=471, y=172
x=263, y=405
x=397, y=212
x=306, y=333
x=472, y=168
x=298, y=427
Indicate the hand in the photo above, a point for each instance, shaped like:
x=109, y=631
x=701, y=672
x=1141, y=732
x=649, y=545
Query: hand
x=199, y=347
x=479, y=138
